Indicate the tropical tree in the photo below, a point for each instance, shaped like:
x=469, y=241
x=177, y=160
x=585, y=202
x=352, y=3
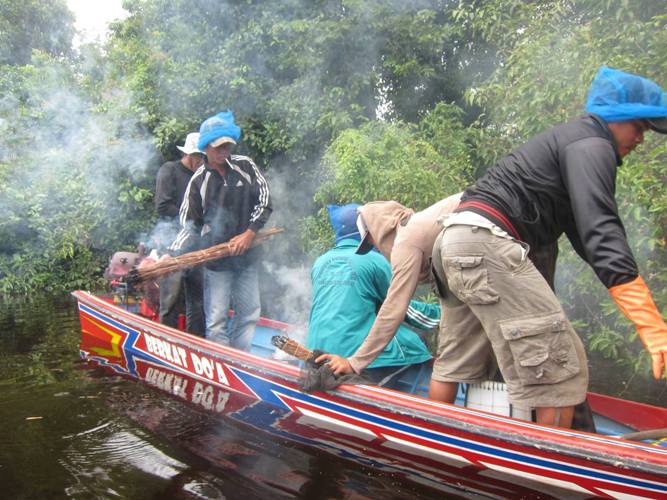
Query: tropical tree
x=296, y=72
x=34, y=24
x=73, y=180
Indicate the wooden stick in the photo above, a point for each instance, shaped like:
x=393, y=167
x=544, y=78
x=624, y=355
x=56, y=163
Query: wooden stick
x=168, y=265
x=648, y=434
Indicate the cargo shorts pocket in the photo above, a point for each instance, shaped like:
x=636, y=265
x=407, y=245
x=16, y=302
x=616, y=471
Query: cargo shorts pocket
x=542, y=348
x=467, y=279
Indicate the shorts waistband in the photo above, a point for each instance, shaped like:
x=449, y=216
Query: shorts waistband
x=490, y=213
x=468, y=218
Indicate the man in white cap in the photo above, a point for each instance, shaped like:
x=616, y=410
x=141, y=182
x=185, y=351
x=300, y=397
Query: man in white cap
x=181, y=288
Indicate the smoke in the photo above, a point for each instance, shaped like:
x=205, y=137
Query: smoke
x=286, y=287
x=85, y=142
x=73, y=166
x=293, y=304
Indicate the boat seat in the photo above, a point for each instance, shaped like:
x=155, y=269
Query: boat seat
x=261, y=342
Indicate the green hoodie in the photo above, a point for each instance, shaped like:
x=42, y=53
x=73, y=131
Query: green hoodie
x=348, y=290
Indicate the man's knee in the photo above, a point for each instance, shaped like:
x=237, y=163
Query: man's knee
x=443, y=391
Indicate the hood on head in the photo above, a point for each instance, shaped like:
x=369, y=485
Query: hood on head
x=616, y=96
x=382, y=219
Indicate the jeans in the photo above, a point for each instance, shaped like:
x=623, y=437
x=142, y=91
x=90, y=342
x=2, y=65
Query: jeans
x=239, y=287
x=389, y=376
x=177, y=288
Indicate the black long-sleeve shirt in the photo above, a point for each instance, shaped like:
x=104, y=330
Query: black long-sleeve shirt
x=172, y=181
x=561, y=181
x=218, y=207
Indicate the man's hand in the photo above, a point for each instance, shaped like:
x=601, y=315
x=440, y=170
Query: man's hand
x=240, y=243
x=338, y=364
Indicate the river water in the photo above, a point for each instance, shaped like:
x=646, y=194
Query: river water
x=71, y=430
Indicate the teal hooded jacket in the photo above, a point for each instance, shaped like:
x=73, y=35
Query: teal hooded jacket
x=348, y=290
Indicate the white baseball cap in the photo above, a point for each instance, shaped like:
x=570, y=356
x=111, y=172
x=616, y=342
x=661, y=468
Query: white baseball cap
x=190, y=145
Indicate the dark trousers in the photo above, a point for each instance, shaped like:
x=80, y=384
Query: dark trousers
x=389, y=376
x=180, y=292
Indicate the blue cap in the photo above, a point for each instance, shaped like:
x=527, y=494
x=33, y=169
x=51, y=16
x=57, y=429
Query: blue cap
x=218, y=129
x=343, y=219
x=618, y=96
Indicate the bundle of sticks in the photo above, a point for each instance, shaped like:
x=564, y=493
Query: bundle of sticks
x=293, y=348
x=169, y=264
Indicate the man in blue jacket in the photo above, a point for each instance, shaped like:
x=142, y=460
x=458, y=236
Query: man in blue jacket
x=348, y=290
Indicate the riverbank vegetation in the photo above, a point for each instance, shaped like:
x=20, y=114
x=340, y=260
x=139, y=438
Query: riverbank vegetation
x=343, y=101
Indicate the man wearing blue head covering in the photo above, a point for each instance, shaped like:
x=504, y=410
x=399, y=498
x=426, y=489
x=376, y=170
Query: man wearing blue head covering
x=227, y=200
x=348, y=290
x=561, y=181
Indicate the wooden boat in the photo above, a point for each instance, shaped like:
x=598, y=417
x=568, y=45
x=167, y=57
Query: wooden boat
x=439, y=445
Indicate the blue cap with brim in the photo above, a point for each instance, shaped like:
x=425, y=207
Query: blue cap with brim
x=365, y=246
x=617, y=96
x=218, y=129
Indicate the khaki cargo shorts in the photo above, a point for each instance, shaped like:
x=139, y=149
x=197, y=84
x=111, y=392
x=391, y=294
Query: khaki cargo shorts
x=497, y=303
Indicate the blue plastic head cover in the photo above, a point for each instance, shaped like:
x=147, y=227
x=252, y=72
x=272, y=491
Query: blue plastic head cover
x=617, y=96
x=220, y=126
x=343, y=219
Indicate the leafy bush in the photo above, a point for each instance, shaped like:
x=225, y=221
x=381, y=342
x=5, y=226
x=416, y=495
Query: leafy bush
x=415, y=165
x=72, y=190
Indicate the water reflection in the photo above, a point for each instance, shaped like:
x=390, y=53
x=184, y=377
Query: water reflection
x=59, y=437
x=102, y=436
x=264, y=464
x=103, y=458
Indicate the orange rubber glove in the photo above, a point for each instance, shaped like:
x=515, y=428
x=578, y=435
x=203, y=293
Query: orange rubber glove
x=634, y=299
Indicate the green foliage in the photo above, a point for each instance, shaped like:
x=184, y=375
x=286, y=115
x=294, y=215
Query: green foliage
x=550, y=58
x=34, y=24
x=68, y=190
x=415, y=165
x=54, y=251
x=295, y=72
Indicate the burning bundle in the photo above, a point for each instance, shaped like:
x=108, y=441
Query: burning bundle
x=293, y=348
x=315, y=376
x=166, y=265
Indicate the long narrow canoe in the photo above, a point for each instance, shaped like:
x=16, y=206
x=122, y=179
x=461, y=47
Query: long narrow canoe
x=435, y=444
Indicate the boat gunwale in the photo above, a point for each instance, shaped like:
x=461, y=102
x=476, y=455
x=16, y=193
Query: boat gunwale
x=637, y=457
